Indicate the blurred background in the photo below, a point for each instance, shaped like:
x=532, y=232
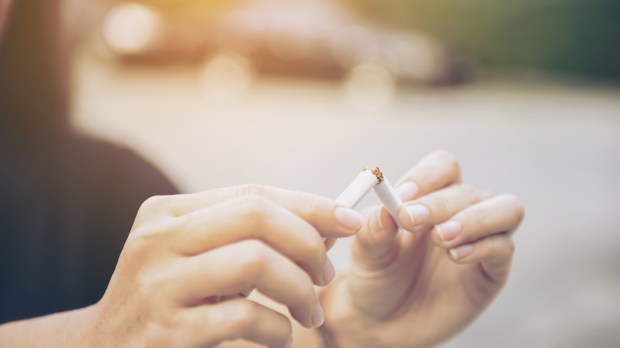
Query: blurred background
x=302, y=94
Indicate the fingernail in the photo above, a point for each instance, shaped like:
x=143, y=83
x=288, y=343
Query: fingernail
x=408, y=190
x=349, y=218
x=461, y=251
x=289, y=343
x=417, y=213
x=317, y=316
x=448, y=230
x=329, y=272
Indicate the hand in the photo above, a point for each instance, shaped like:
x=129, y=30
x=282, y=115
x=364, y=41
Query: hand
x=188, y=257
x=420, y=286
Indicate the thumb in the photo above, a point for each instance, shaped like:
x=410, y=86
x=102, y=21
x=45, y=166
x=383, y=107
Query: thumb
x=376, y=245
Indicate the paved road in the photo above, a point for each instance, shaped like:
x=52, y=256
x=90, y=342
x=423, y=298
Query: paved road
x=555, y=146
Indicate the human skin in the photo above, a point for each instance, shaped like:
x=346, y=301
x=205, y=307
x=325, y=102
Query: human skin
x=4, y=12
x=187, y=259
x=187, y=253
x=421, y=285
x=413, y=287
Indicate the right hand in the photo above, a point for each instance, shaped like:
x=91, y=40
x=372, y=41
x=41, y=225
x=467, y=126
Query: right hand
x=189, y=256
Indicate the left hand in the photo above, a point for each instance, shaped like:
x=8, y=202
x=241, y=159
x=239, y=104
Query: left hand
x=420, y=285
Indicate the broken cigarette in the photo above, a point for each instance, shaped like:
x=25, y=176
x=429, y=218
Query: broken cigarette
x=368, y=179
x=357, y=189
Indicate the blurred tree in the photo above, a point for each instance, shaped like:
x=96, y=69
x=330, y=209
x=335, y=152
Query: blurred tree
x=561, y=36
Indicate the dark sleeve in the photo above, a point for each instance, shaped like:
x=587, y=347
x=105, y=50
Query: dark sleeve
x=64, y=217
x=118, y=181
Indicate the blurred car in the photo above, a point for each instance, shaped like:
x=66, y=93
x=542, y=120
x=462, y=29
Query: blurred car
x=312, y=38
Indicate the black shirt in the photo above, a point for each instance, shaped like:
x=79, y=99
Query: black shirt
x=65, y=213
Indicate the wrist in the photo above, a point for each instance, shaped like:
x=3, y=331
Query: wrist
x=344, y=327
x=88, y=328
x=67, y=329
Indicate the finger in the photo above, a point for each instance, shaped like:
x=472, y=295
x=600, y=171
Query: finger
x=239, y=318
x=329, y=243
x=375, y=246
x=252, y=217
x=243, y=266
x=437, y=207
x=437, y=170
x=499, y=214
x=494, y=254
x=324, y=214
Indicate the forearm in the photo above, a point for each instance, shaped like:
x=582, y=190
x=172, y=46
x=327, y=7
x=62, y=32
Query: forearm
x=66, y=329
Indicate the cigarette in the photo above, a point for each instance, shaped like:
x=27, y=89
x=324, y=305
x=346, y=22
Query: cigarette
x=357, y=189
x=368, y=179
x=390, y=199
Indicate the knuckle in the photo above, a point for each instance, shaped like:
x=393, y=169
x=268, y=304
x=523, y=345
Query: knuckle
x=515, y=206
x=154, y=203
x=255, y=209
x=435, y=204
x=500, y=245
x=484, y=224
x=144, y=246
x=316, y=248
x=449, y=159
x=312, y=207
x=471, y=194
x=150, y=208
x=138, y=248
x=253, y=190
x=149, y=235
x=243, y=318
x=252, y=256
x=499, y=248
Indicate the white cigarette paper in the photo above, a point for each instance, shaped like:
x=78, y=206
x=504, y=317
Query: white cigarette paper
x=390, y=199
x=363, y=183
x=357, y=189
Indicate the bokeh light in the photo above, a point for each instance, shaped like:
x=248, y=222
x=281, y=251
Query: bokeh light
x=225, y=77
x=300, y=94
x=370, y=87
x=131, y=28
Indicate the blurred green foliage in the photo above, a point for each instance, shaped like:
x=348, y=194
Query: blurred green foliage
x=577, y=37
